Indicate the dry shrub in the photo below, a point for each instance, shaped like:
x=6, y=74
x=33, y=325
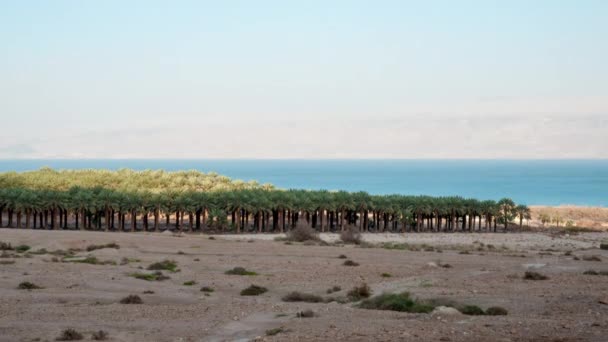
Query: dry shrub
x=131, y=299
x=69, y=335
x=302, y=297
x=305, y=314
x=350, y=263
x=351, y=235
x=100, y=335
x=531, y=275
x=359, y=292
x=302, y=233
x=496, y=311
x=26, y=285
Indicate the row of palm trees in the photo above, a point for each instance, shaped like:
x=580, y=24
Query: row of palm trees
x=257, y=209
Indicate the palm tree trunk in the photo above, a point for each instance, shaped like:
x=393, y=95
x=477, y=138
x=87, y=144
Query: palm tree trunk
x=156, y=219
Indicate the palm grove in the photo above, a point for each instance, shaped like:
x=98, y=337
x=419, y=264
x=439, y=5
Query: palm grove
x=127, y=200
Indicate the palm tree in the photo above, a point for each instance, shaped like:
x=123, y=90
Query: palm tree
x=523, y=212
x=506, y=208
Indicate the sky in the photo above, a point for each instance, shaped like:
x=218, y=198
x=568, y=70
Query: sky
x=304, y=79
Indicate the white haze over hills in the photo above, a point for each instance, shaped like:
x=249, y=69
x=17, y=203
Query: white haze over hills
x=414, y=136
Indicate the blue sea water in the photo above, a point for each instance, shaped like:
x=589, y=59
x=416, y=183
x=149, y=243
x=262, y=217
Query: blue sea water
x=550, y=182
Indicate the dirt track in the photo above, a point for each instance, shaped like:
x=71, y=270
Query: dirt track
x=566, y=307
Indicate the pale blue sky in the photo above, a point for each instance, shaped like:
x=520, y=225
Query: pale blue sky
x=302, y=79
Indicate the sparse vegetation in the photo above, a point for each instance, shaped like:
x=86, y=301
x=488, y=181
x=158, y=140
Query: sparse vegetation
x=253, y=290
x=334, y=289
x=70, y=335
x=26, y=285
x=22, y=248
x=305, y=314
x=386, y=275
x=593, y=272
x=207, y=289
x=165, y=265
x=531, y=275
x=275, y=331
x=7, y=262
x=125, y=261
x=396, y=302
x=156, y=276
x=351, y=235
x=350, y=263
x=91, y=248
x=302, y=233
x=302, y=297
x=357, y=293
x=240, y=271
x=471, y=310
x=131, y=299
x=496, y=311
x=90, y=259
x=342, y=256
x=100, y=335
x=189, y=283
x=5, y=246
x=603, y=245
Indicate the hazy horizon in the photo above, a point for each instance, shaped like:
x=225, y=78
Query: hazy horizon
x=307, y=80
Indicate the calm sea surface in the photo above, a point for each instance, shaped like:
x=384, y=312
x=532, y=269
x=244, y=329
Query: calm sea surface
x=551, y=182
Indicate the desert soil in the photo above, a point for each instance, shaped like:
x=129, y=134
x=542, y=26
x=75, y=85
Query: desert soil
x=569, y=306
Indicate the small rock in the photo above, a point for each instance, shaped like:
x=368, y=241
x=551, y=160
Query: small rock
x=445, y=310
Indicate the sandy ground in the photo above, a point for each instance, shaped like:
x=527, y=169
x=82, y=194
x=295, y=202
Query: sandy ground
x=569, y=306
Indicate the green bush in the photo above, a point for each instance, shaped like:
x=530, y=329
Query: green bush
x=240, y=271
x=165, y=265
x=189, y=283
x=22, y=248
x=253, y=290
x=472, y=310
x=396, y=302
